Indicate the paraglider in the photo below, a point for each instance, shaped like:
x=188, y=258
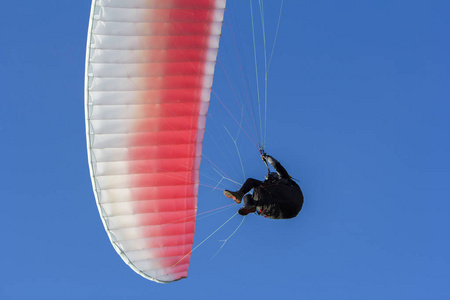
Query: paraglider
x=149, y=71
x=277, y=197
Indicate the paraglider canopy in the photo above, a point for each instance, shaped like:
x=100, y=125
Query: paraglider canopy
x=149, y=72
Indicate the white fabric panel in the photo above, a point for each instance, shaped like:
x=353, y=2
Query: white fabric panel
x=161, y=4
x=108, y=28
x=127, y=125
x=148, y=70
x=151, y=15
x=142, y=84
x=135, y=97
x=121, y=154
x=148, y=55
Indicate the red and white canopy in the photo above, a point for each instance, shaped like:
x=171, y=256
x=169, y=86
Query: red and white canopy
x=149, y=72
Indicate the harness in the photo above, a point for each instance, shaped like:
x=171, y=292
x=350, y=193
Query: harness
x=261, y=212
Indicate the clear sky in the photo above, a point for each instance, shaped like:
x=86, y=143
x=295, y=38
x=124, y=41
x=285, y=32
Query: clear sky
x=358, y=111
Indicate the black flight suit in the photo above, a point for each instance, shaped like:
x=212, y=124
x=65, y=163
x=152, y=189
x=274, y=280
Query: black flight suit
x=277, y=197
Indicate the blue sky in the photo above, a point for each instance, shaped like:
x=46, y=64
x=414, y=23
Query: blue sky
x=358, y=104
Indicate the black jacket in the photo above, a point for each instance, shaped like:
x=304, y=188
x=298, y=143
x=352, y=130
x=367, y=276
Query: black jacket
x=278, y=197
